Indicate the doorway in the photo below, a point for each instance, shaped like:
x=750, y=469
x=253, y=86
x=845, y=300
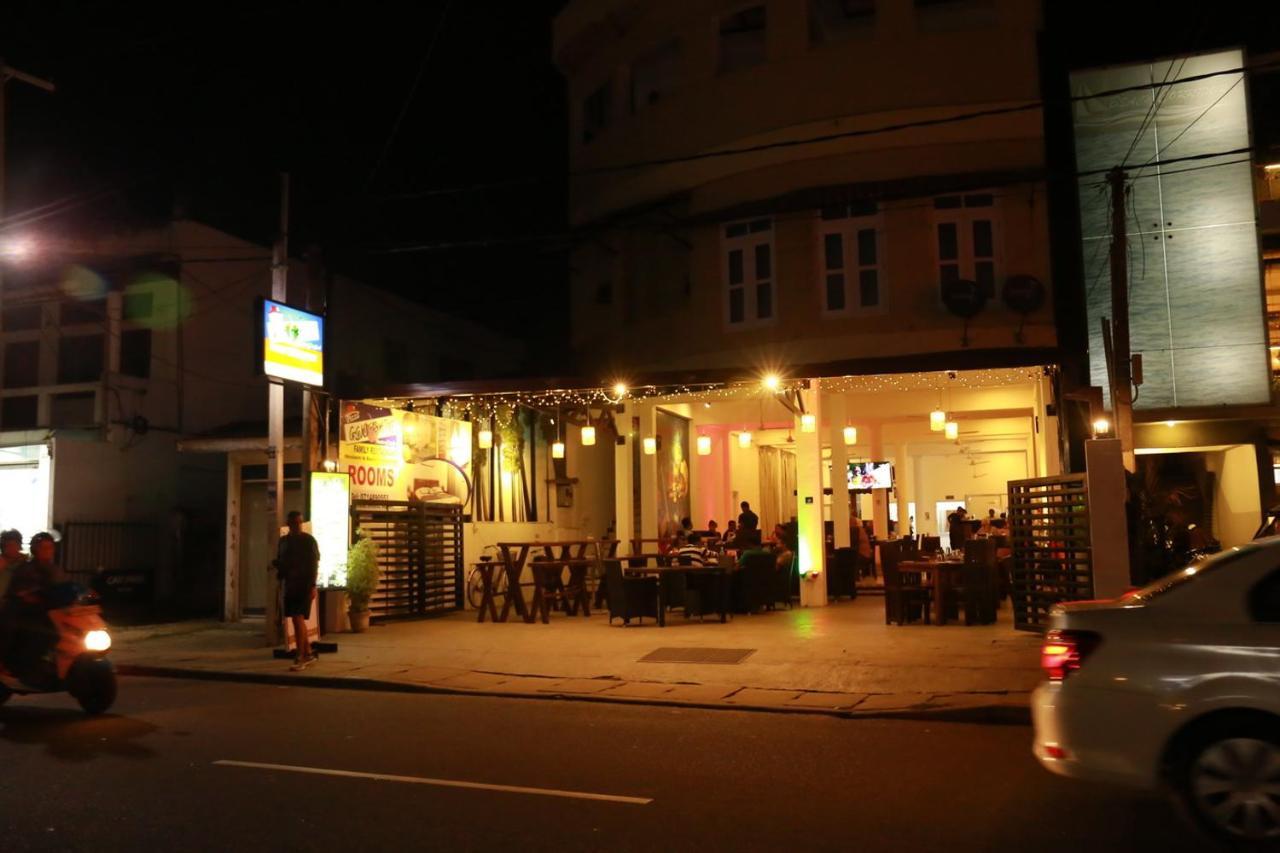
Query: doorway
x=255, y=560
x=942, y=510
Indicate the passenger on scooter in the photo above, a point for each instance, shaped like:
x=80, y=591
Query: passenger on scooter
x=34, y=578
x=26, y=633
x=11, y=557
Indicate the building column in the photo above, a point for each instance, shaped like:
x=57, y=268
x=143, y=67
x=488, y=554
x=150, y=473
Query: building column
x=836, y=411
x=623, y=481
x=648, y=476
x=812, y=545
x=879, y=497
x=904, y=482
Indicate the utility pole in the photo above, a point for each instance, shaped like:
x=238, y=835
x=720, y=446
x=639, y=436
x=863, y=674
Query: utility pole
x=275, y=428
x=1122, y=362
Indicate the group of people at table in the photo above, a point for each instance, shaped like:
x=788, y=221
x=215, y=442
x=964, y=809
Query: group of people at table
x=742, y=538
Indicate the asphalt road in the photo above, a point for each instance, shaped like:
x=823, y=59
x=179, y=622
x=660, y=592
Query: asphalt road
x=146, y=778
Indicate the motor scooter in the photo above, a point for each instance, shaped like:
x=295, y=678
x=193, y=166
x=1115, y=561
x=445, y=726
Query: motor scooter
x=77, y=662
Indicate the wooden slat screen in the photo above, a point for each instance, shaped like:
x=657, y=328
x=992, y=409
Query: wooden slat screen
x=420, y=553
x=1049, y=535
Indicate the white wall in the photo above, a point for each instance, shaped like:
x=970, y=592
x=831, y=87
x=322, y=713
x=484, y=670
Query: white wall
x=940, y=475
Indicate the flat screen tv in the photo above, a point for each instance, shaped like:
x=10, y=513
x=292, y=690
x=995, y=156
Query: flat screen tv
x=864, y=476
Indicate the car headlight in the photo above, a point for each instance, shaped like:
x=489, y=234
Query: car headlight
x=97, y=641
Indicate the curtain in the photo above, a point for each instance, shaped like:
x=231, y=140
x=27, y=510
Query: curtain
x=777, y=488
x=787, y=496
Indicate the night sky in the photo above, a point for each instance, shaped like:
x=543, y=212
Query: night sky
x=158, y=111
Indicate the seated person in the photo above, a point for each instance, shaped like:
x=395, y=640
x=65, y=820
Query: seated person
x=731, y=531
x=713, y=529
x=692, y=553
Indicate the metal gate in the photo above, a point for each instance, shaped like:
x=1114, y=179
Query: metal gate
x=420, y=554
x=117, y=557
x=1049, y=534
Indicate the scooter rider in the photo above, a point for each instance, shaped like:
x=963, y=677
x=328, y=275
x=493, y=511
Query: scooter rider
x=26, y=633
x=34, y=577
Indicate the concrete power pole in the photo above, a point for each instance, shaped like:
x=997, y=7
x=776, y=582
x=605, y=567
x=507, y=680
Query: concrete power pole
x=1122, y=361
x=275, y=428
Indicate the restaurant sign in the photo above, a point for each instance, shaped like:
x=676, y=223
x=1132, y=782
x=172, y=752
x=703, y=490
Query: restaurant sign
x=397, y=455
x=331, y=525
x=292, y=343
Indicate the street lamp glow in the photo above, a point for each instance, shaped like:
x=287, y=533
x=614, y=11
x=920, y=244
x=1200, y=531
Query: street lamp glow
x=17, y=248
x=771, y=382
x=619, y=390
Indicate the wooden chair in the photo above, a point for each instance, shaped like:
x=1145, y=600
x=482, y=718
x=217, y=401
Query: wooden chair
x=930, y=545
x=980, y=588
x=842, y=573
x=751, y=587
x=782, y=583
x=904, y=595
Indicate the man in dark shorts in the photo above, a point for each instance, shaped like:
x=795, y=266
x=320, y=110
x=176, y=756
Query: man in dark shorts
x=297, y=560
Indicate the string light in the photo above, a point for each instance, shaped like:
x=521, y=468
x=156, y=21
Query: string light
x=933, y=380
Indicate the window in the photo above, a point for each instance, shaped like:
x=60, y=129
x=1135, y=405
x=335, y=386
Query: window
x=22, y=364
x=19, y=412
x=135, y=353
x=72, y=410
x=80, y=359
x=74, y=313
x=138, y=305
x=968, y=239
x=597, y=112
x=852, y=278
x=832, y=20
x=742, y=39
x=21, y=318
x=654, y=76
x=1264, y=599
x=604, y=293
x=748, y=251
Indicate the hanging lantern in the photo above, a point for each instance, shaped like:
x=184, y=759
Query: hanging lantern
x=952, y=430
x=851, y=435
x=704, y=445
x=937, y=420
x=744, y=439
x=808, y=423
x=485, y=439
x=650, y=445
x=588, y=436
x=557, y=450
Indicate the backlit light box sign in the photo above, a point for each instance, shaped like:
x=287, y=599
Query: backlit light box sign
x=292, y=343
x=331, y=525
x=870, y=475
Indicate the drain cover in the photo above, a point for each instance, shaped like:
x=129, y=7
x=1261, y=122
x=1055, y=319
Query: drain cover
x=678, y=655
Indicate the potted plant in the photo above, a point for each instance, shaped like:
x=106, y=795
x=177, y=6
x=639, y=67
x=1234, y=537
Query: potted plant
x=362, y=579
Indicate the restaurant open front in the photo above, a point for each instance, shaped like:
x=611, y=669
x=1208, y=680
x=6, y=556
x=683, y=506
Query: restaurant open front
x=586, y=498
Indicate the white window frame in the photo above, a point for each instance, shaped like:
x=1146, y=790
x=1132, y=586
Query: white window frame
x=848, y=229
x=963, y=218
x=751, y=282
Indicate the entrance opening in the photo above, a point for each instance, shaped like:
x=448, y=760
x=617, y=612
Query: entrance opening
x=25, y=473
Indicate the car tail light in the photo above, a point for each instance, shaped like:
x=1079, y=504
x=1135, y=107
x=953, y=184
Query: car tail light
x=1064, y=652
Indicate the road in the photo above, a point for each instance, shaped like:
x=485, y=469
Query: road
x=145, y=778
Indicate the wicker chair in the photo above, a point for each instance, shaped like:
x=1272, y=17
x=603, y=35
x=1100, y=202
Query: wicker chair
x=630, y=598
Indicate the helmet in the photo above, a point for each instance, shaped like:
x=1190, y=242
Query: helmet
x=11, y=535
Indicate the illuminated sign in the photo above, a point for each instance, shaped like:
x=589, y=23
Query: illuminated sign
x=1196, y=309
x=395, y=455
x=331, y=525
x=292, y=343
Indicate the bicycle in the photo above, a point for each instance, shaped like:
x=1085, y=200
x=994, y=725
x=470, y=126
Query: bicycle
x=475, y=582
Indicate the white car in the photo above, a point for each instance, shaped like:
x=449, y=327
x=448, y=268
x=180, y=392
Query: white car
x=1176, y=686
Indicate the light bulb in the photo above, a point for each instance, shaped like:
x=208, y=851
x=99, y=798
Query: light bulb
x=557, y=450
x=937, y=420
x=1101, y=426
x=952, y=430
x=808, y=423
x=704, y=445
x=588, y=436
x=650, y=445
x=771, y=382
x=744, y=439
x=850, y=435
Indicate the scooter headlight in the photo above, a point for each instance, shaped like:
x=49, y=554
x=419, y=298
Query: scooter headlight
x=97, y=641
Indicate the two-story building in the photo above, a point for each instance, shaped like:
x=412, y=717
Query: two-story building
x=133, y=411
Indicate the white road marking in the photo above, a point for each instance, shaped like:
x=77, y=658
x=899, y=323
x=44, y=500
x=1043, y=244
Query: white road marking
x=441, y=783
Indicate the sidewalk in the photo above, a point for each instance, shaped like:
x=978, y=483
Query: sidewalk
x=840, y=659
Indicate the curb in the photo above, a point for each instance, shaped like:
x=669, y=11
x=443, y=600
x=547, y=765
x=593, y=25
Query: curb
x=994, y=714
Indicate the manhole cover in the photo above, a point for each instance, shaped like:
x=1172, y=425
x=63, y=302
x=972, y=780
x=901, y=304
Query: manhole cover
x=678, y=655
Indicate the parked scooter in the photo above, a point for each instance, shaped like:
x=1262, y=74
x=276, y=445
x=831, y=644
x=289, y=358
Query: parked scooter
x=77, y=661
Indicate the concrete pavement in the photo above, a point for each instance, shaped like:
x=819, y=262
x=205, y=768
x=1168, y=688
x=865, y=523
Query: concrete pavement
x=840, y=659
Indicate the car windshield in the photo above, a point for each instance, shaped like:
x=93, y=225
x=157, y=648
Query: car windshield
x=1182, y=577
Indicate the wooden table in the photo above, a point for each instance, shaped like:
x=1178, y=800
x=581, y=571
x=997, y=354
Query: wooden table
x=943, y=574
x=572, y=555
x=660, y=570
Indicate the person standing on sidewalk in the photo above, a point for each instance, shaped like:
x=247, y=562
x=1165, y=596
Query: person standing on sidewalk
x=297, y=561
